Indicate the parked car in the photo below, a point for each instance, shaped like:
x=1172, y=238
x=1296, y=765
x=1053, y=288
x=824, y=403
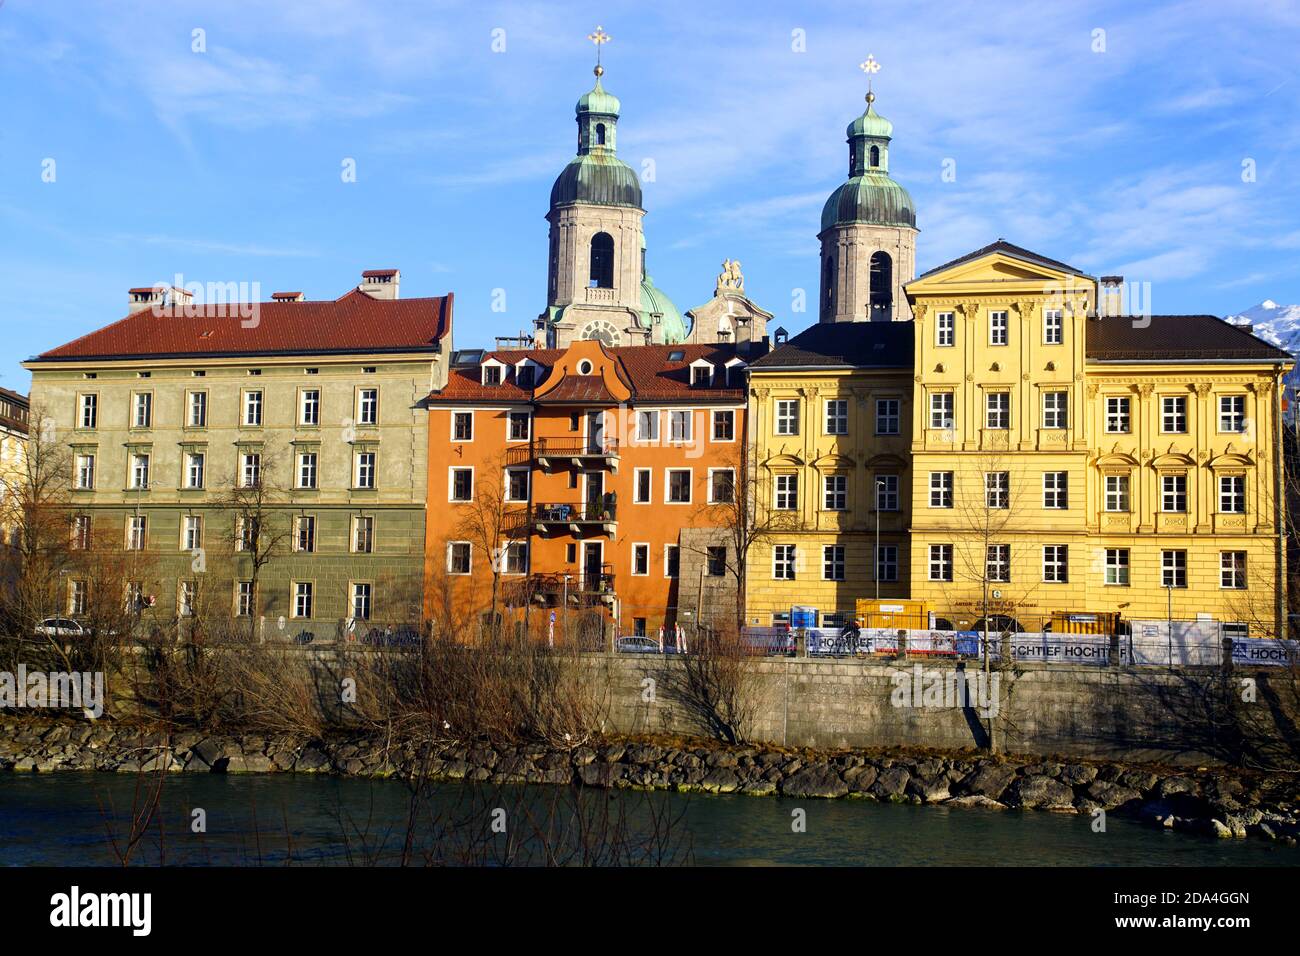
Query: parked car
x=59, y=627
x=636, y=645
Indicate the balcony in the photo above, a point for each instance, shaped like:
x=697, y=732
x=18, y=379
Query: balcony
x=576, y=518
x=580, y=453
x=589, y=589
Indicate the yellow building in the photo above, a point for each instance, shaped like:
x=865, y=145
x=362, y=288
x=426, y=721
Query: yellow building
x=830, y=424
x=1068, y=459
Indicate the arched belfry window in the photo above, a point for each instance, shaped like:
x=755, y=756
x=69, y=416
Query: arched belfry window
x=882, y=286
x=600, y=134
x=602, y=261
x=828, y=285
x=875, y=157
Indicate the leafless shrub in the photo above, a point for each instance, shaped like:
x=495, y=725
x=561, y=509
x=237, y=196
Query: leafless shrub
x=716, y=685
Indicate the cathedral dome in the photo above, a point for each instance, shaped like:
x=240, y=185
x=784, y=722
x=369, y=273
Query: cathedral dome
x=599, y=178
x=870, y=198
x=672, y=327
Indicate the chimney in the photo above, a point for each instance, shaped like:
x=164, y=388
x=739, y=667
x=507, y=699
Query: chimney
x=156, y=296
x=1110, y=299
x=380, y=283
x=288, y=297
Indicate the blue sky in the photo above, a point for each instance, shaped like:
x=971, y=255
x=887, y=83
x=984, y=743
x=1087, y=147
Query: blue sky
x=224, y=166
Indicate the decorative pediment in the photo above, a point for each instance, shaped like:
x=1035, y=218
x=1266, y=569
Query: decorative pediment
x=1173, y=459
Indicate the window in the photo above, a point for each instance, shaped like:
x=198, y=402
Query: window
x=1232, y=570
x=1173, y=493
x=462, y=484
x=140, y=471
x=143, y=414
x=76, y=597
x=1056, y=563
x=1053, y=327
x=679, y=486
x=185, y=599
x=198, y=415
x=887, y=562
x=85, y=472
x=81, y=526
x=363, y=534
x=835, y=492
x=1173, y=569
x=1173, y=414
x=1232, y=494
x=251, y=469
x=724, y=425
x=519, y=426
x=575, y=420
x=641, y=493
x=997, y=562
x=307, y=469
x=837, y=417
x=787, y=416
x=997, y=489
x=945, y=329
x=1056, y=489
x=940, y=562
x=1232, y=413
x=679, y=425
x=253, y=408
x=1117, y=493
x=997, y=410
x=715, y=561
x=248, y=532
x=515, y=558
x=137, y=529
x=368, y=406
x=516, y=484
x=886, y=492
x=365, y=476
x=833, y=562
x=361, y=594
x=887, y=416
x=787, y=493
x=192, y=535
x=304, y=533
x=1118, y=414
x=941, y=489
x=462, y=426
x=491, y=374
x=195, y=463
x=722, y=486
x=89, y=414
x=458, y=553
x=243, y=598
x=647, y=426
x=602, y=261
x=941, y=410
x=309, y=407
x=1054, y=409
x=997, y=328
x=783, y=562
x=302, y=598
x=640, y=559
x=672, y=561
x=1117, y=566
x=701, y=375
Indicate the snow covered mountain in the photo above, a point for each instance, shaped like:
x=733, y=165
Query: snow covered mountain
x=1276, y=324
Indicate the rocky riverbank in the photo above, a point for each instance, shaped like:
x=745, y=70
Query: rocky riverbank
x=1215, y=802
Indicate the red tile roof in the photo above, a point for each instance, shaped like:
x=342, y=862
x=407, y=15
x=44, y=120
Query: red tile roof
x=646, y=367
x=356, y=322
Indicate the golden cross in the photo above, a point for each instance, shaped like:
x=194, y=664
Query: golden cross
x=869, y=66
x=600, y=37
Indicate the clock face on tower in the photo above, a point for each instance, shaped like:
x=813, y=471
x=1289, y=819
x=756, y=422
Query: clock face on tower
x=601, y=331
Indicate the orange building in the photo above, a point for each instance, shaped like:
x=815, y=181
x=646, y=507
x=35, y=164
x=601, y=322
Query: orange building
x=587, y=487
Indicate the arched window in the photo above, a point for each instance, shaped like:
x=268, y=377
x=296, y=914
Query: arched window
x=882, y=286
x=875, y=156
x=828, y=286
x=600, y=134
x=602, y=261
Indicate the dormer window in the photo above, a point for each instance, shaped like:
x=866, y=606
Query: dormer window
x=491, y=374
x=701, y=374
x=524, y=375
x=735, y=372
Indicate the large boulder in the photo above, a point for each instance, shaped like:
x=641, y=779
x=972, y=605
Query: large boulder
x=817, y=780
x=1112, y=795
x=1039, y=791
x=890, y=784
x=990, y=780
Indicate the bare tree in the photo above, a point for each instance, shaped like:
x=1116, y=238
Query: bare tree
x=490, y=522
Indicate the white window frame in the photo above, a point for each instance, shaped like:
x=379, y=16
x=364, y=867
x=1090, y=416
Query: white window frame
x=730, y=415
x=356, y=596
x=527, y=473
x=141, y=470
x=368, y=401
x=196, y=468
x=142, y=408
x=837, y=423
x=1117, y=562
x=196, y=401
x=941, y=485
x=999, y=328
x=451, y=483
x=309, y=399
x=945, y=330
x=642, y=549
x=647, y=416
x=1173, y=489
x=191, y=532
x=1056, y=409
x=676, y=418
x=303, y=590
x=997, y=493
x=1232, y=574
x=785, y=488
x=786, y=417
x=1173, y=410
x=1232, y=420
x=1056, y=490
x=834, y=558
x=940, y=560
x=1173, y=568
x=1119, y=412
x=88, y=408
x=716, y=471
x=253, y=408
x=527, y=417
x=1053, y=326
x=359, y=467
x=1232, y=495
x=785, y=559
x=86, y=469
x=462, y=414
x=1115, y=494
x=668, y=484
x=469, y=558
x=997, y=410
x=354, y=534
x=1056, y=564
x=649, y=487
x=307, y=471
x=886, y=417
x=943, y=411
x=838, y=495
x=997, y=563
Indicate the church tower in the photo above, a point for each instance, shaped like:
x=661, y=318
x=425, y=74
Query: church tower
x=597, y=284
x=868, y=231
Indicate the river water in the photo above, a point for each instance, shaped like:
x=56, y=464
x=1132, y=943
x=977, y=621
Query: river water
x=71, y=818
